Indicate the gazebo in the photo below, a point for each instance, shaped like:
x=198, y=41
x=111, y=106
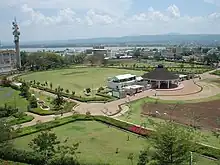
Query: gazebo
x=161, y=78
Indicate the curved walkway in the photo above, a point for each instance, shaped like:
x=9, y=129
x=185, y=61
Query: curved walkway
x=113, y=107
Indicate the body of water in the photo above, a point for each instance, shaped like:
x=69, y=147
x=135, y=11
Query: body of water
x=78, y=49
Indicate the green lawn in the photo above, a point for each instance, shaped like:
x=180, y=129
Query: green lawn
x=136, y=118
x=98, y=143
x=11, y=97
x=77, y=79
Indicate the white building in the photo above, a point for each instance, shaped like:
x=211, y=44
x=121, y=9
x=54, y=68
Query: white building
x=120, y=81
x=7, y=61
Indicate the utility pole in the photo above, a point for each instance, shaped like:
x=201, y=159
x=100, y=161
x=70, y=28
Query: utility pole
x=16, y=34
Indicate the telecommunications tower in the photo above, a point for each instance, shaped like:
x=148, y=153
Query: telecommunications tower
x=16, y=34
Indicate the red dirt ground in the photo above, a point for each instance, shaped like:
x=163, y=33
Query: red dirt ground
x=204, y=114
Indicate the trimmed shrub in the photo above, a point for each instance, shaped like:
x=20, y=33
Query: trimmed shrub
x=41, y=112
x=22, y=156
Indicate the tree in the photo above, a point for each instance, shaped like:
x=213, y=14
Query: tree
x=91, y=59
x=172, y=144
x=73, y=93
x=137, y=53
x=33, y=102
x=143, y=157
x=23, y=58
x=7, y=132
x=45, y=143
x=67, y=91
x=58, y=101
x=25, y=90
x=88, y=90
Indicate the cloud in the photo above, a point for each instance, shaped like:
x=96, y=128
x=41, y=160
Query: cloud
x=174, y=11
x=214, y=2
x=67, y=16
x=154, y=15
x=69, y=20
x=113, y=7
x=94, y=18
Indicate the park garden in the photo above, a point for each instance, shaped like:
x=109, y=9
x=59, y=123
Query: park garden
x=86, y=139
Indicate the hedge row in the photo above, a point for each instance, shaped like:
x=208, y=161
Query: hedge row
x=22, y=156
x=78, y=98
x=204, y=150
x=51, y=124
x=216, y=73
x=24, y=119
x=148, y=69
x=41, y=112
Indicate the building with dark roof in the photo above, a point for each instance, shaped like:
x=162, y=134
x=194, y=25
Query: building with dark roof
x=161, y=78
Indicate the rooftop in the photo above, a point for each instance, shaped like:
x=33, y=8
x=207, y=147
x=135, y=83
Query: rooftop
x=124, y=76
x=160, y=73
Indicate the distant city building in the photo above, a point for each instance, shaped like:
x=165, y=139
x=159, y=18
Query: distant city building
x=99, y=50
x=7, y=61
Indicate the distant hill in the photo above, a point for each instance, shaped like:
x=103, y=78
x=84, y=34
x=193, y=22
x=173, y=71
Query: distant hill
x=172, y=38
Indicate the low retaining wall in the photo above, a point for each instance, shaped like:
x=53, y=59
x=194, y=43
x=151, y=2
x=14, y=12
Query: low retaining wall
x=187, y=94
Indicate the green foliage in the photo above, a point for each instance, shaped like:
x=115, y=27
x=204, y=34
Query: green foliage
x=67, y=108
x=25, y=90
x=22, y=156
x=100, y=89
x=7, y=111
x=88, y=90
x=44, y=61
x=41, y=112
x=58, y=101
x=5, y=82
x=45, y=143
x=143, y=157
x=25, y=118
x=33, y=102
x=67, y=91
x=173, y=144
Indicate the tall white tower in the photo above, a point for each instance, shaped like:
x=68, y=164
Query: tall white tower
x=16, y=34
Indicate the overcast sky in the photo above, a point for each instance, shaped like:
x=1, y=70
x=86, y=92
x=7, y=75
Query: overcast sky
x=70, y=19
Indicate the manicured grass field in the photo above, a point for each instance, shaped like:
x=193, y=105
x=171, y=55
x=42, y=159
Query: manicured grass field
x=98, y=143
x=11, y=97
x=135, y=117
x=77, y=79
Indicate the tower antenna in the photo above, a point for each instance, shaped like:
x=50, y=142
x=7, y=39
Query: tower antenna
x=16, y=34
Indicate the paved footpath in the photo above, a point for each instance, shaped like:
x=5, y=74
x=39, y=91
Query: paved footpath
x=111, y=108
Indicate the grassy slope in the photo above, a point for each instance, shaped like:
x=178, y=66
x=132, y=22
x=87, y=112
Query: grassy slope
x=98, y=143
x=78, y=79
